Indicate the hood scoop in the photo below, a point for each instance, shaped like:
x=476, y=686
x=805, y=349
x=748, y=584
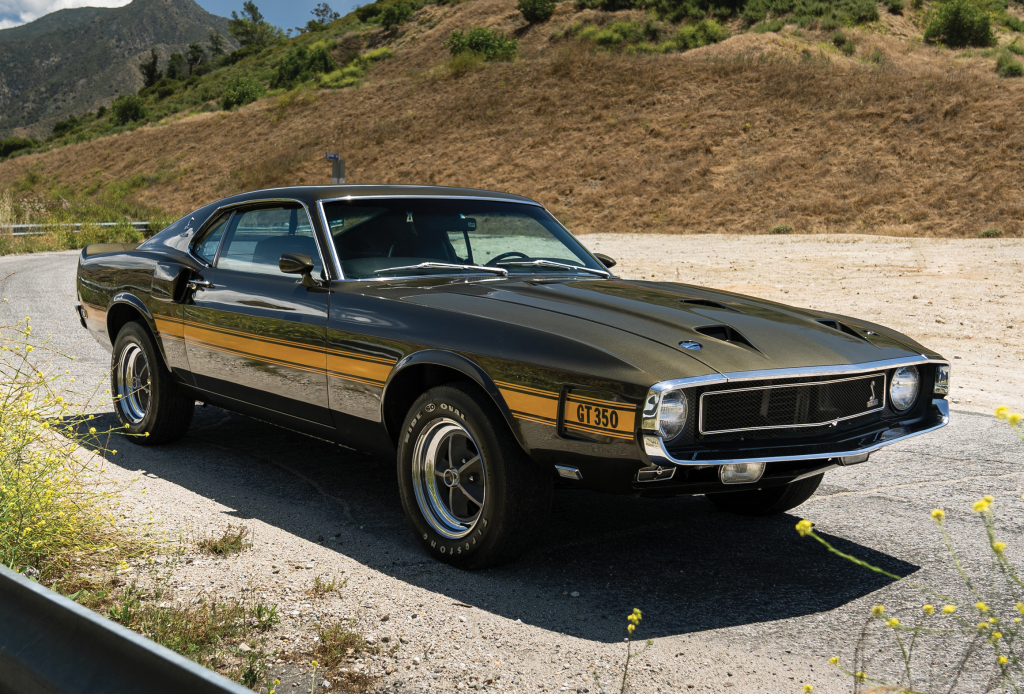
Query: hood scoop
x=707, y=303
x=841, y=327
x=726, y=333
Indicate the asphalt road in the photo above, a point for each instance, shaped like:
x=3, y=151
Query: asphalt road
x=707, y=581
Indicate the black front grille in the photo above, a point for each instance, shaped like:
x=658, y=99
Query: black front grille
x=791, y=405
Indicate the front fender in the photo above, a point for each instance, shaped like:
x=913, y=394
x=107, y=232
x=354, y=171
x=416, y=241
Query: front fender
x=463, y=365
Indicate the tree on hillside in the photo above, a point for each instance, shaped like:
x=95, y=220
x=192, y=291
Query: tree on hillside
x=150, y=74
x=176, y=67
x=324, y=14
x=194, y=56
x=216, y=43
x=251, y=29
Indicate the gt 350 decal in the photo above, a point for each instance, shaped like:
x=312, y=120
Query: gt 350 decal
x=597, y=415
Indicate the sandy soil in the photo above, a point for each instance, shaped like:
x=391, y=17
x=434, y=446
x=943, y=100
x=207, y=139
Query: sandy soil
x=957, y=296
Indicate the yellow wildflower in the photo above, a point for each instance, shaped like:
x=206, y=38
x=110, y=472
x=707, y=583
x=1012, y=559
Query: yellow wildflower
x=808, y=689
x=982, y=504
x=928, y=609
x=892, y=623
x=314, y=663
x=92, y=430
x=999, y=547
x=877, y=611
x=631, y=628
x=804, y=527
x=861, y=676
x=996, y=635
x=1002, y=660
x=983, y=625
x=1002, y=412
x=938, y=514
x=1014, y=419
x=949, y=609
x=982, y=607
x=1020, y=607
x=834, y=660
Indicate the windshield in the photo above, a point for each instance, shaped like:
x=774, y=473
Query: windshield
x=382, y=238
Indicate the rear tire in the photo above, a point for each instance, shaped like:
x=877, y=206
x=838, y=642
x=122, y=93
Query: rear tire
x=766, y=502
x=150, y=406
x=471, y=494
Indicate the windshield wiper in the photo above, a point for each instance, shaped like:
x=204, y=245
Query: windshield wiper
x=560, y=266
x=446, y=266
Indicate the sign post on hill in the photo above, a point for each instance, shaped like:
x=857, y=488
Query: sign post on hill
x=337, y=168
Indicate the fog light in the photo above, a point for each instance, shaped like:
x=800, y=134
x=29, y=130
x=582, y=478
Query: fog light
x=741, y=473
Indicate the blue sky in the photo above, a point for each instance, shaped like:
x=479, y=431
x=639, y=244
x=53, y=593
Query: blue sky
x=286, y=15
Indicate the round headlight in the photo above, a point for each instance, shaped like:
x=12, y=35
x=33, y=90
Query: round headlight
x=904, y=387
x=672, y=414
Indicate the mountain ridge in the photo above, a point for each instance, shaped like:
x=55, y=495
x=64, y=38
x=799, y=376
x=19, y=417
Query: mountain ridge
x=77, y=62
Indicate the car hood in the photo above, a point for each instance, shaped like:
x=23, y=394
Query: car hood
x=761, y=334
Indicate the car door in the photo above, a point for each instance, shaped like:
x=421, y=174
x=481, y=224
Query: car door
x=255, y=337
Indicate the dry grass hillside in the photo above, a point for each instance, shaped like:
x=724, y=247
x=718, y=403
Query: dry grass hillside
x=757, y=131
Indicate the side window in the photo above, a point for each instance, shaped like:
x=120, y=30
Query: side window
x=207, y=246
x=259, y=237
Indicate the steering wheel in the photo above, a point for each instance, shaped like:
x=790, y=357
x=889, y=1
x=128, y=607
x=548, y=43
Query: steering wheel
x=506, y=256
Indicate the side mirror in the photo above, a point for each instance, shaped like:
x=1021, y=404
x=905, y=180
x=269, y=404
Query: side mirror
x=606, y=260
x=298, y=264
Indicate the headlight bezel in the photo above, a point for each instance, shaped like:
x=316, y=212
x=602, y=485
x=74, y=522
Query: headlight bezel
x=895, y=400
x=656, y=410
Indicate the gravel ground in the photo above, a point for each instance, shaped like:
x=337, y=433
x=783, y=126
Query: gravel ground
x=728, y=602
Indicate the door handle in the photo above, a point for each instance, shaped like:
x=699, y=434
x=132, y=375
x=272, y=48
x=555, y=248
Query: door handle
x=199, y=284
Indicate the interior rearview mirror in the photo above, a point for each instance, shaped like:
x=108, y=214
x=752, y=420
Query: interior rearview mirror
x=298, y=264
x=607, y=260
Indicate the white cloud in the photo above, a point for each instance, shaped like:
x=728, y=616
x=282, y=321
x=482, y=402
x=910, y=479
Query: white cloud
x=16, y=12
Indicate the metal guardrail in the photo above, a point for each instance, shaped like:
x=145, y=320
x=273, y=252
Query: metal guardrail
x=141, y=226
x=52, y=645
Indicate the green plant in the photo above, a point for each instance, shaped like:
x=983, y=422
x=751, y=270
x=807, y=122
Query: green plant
x=876, y=57
x=634, y=622
x=960, y=23
x=1008, y=66
x=990, y=234
x=323, y=586
x=843, y=43
x=251, y=29
x=764, y=27
x=335, y=642
x=302, y=64
x=234, y=539
x=895, y=6
x=781, y=229
x=490, y=43
x=536, y=11
x=128, y=108
x=63, y=127
x=702, y=33
x=353, y=73
x=53, y=518
x=1016, y=47
x=396, y=14
x=461, y=63
x=15, y=144
x=240, y=91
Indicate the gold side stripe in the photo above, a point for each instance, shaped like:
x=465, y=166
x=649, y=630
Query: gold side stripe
x=525, y=389
x=372, y=371
x=597, y=430
x=533, y=405
x=266, y=360
x=310, y=358
x=607, y=404
x=349, y=377
x=169, y=327
x=362, y=357
x=168, y=336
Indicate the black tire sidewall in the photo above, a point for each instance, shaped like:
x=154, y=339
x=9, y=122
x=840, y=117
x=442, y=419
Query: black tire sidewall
x=133, y=333
x=454, y=403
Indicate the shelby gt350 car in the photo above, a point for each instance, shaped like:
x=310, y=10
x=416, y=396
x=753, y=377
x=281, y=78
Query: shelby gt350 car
x=469, y=334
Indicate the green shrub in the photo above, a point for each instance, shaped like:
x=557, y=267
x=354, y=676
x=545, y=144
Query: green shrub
x=781, y=229
x=353, y=73
x=895, y=6
x=301, y=65
x=1012, y=23
x=63, y=127
x=830, y=23
x=1008, y=66
x=990, y=234
x=843, y=43
x=1016, y=48
x=703, y=33
x=536, y=11
x=960, y=23
x=490, y=43
x=396, y=14
x=241, y=91
x=765, y=27
x=876, y=57
x=14, y=144
x=461, y=63
x=129, y=108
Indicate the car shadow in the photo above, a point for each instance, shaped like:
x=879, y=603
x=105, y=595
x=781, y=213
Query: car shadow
x=598, y=557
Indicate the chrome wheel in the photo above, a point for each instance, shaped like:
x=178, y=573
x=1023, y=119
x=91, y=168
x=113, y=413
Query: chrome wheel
x=448, y=478
x=132, y=383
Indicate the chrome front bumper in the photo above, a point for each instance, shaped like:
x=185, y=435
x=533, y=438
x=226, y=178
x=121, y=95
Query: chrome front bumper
x=657, y=454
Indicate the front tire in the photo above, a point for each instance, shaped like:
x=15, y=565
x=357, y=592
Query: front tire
x=149, y=404
x=766, y=502
x=470, y=493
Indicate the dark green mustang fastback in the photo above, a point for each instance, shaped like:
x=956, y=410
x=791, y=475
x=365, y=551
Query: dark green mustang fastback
x=470, y=335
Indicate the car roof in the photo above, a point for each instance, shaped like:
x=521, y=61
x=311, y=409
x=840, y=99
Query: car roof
x=314, y=193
